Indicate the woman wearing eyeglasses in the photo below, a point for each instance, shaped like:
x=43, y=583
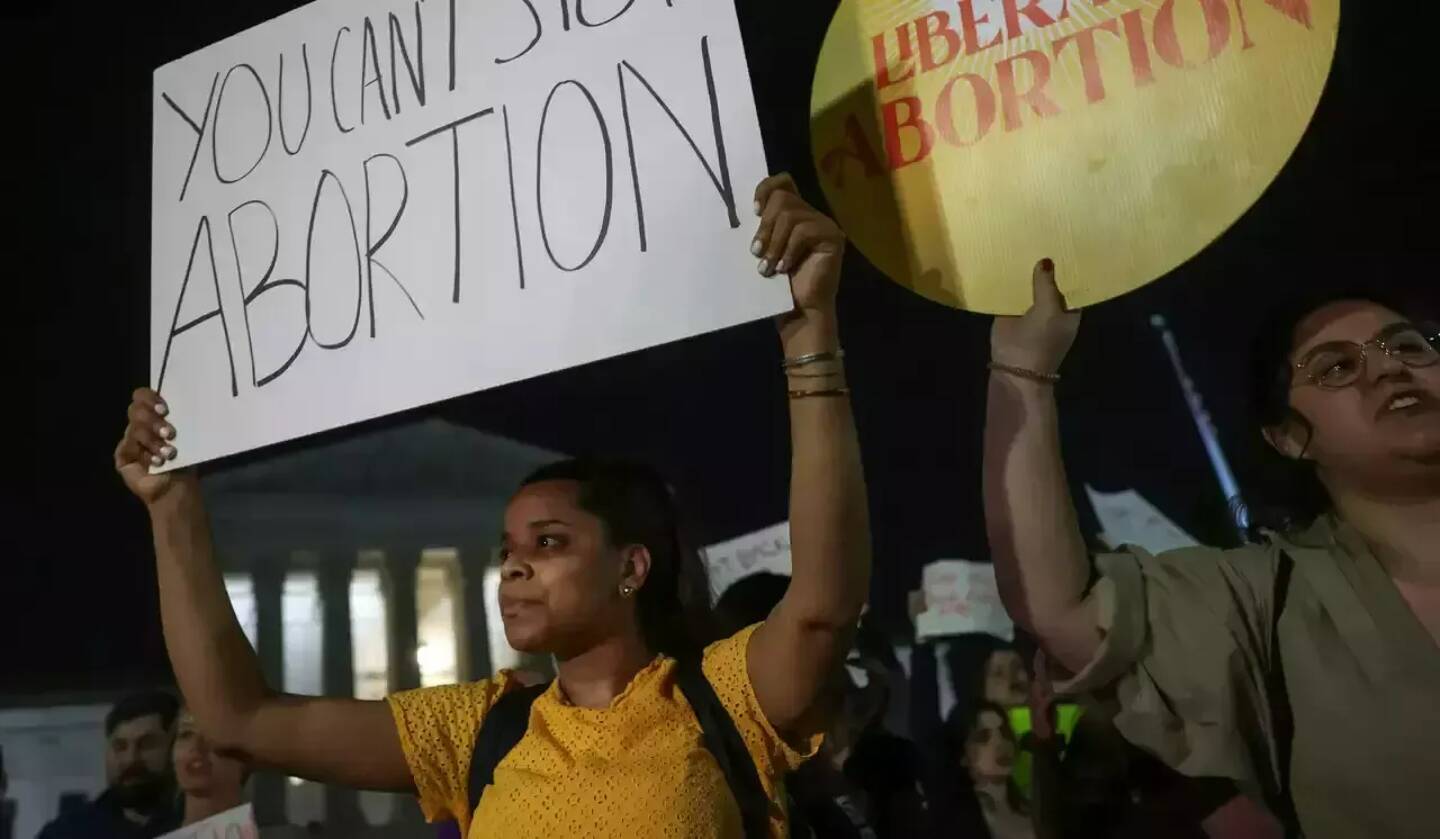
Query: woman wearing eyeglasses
x=1306, y=666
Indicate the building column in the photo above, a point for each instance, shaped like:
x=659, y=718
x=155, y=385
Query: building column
x=475, y=633
x=268, y=579
x=342, y=809
x=401, y=578
x=402, y=566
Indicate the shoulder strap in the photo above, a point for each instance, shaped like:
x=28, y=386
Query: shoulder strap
x=1281, y=720
x=723, y=741
x=503, y=727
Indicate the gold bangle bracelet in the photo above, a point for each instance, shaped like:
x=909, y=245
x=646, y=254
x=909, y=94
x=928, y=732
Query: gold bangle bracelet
x=812, y=358
x=1032, y=375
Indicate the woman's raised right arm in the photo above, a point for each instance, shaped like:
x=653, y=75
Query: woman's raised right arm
x=339, y=741
x=1041, y=561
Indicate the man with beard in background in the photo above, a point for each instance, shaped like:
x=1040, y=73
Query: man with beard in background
x=139, y=802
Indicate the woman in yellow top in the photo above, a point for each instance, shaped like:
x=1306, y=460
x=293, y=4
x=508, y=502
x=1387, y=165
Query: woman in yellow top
x=1304, y=667
x=593, y=574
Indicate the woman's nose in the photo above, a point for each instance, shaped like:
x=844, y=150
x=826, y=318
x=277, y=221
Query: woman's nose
x=514, y=567
x=1380, y=367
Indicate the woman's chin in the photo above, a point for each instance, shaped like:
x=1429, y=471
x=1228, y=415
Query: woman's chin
x=525, y=639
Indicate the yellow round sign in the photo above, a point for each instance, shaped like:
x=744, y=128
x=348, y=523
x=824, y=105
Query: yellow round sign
x=960, y=141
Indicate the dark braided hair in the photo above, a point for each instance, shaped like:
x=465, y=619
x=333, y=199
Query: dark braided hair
x=638, y=507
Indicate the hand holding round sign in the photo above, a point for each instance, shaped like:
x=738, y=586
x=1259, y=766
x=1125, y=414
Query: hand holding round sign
x=961, y=141
x=1038, y=340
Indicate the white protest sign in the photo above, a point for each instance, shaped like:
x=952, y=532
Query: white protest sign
x=364, y=206
x=1128, y=519
x=961, y=597
x=765, y=550
x=238, y=823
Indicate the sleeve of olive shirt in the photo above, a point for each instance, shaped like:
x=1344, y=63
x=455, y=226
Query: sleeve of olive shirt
x=1184, y=656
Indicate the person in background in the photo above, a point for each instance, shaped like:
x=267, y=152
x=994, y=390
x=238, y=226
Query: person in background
x=750, y=600
x=984, y=671
x=984, y=668
x=865, y=781
x=210, y=783
x=882, y=773
x=138, y=802
x=1303, y=667
x=595, y=572
x=981, y=799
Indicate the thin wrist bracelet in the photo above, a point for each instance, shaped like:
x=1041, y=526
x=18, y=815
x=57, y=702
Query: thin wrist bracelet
x=811, y=358
x=1024, y=373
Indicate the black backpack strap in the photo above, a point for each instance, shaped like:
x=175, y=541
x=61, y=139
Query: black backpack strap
x=503, y=727
x=724, y=743
x=1281, y=720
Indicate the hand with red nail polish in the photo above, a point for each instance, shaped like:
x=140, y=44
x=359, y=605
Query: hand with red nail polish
x=1040, y=339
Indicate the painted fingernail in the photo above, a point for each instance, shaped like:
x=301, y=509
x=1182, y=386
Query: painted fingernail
x=1047, y=265
x=155, y=460
x=167, y=452
x=756, y=247
x=165, y=431
x=758, y=209
x=764, y=268
x=780, y=266
x=161, y=409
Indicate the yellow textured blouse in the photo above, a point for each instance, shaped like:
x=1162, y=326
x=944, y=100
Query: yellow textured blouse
x=636, y=769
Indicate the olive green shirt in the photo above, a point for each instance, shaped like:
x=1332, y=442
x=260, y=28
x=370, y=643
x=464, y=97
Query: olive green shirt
x=1187, y=659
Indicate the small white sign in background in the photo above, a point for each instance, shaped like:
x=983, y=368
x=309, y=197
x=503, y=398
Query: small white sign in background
x=961, y=597
x=1127, y=518
x=765, y=550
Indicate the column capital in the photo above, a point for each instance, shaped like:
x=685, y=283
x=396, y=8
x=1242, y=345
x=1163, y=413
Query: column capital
x=403, y=557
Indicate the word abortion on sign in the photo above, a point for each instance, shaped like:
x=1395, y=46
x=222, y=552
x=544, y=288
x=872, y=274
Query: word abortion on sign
x=238, y=823
x=960, y=141
x=363, y=206
x=961, y=597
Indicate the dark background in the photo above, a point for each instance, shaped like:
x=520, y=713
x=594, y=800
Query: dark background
x=77, y=589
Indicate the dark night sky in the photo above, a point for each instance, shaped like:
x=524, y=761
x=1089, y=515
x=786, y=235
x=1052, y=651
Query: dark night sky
x=77, y=588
